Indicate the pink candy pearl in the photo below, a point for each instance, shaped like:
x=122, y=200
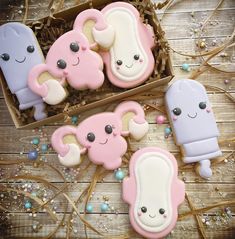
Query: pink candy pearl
x=160, y=119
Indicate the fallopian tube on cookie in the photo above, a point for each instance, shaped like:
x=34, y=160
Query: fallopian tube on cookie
x=153, y=192
x=19, y=52
x=129, y=61
x=101, y=136
x=193, y=124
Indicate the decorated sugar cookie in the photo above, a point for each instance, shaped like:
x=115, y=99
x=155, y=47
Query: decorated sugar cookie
x=129, y=61
x=101, y=136
x=153, y=192
x=71, y=61
x=193, y=123
x=19, y=52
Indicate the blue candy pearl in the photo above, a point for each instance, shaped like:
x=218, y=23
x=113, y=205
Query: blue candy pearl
x=89, y=208
x=28, y=205
x=104, y=207
x=119, y=175
x=74, y=119
x=44, y=147
x=32, y=155
x=185, y=67
x=36, y=141
x=167, y=130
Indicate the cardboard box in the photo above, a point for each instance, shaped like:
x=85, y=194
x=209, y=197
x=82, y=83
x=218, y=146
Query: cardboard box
x=70, y=15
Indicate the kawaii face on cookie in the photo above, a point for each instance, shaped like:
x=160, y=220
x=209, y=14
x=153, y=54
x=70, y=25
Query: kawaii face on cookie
x=100, y=134
x=190, y=111
x=152, y=215
x=19, y=52
x=70, y=57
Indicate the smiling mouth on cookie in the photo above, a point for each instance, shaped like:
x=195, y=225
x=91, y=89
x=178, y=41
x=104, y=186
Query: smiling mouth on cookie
x=21, y=61
x=192, y=117
x=106, y=141
x=129, y=66
x=78, y=61
x=152, y=216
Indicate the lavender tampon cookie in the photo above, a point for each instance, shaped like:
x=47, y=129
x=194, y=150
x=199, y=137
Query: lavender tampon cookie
x=19, y=52
x=193, y=123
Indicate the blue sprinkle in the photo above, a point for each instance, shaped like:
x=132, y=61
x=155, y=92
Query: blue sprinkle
x=74, y=119
x=33, y=155
x=119, y=175
x=168, y=131
x=185, y=67
x=44, y=147
x=104, y=207
x=36, y=141
x=28, y=205
x=89, y=208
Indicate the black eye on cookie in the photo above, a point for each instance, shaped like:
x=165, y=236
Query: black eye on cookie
x=61, y=64
x=136, y=57
x=144, y=209
x=90, y=137
x=161, y=211
x=202, y=105
x=108, y=129
x=5, y=57
x=119, y=62
x=74, y=47
x=30, y=49
x=177, y=111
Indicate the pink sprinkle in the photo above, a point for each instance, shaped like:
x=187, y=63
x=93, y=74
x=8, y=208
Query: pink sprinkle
x=175, y=118
x=160, y=119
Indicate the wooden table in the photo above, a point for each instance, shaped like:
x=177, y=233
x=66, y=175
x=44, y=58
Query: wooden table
x=181, y=23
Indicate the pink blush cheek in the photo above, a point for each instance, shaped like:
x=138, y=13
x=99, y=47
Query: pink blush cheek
x=139, y=214
x=174, y=118
x=208, y=110
x=118, y=68
x=141, y=60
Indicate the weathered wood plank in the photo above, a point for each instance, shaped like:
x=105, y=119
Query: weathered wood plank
x=15, y=141
x=223, y=173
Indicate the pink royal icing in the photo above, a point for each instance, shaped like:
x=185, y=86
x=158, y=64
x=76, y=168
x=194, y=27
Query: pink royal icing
x=153, y=192
x=101, y=137
x=129, y=61
x=69, y=59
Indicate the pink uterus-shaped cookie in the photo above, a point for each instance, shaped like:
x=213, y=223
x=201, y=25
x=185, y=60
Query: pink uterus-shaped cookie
x=193, y=123
x=129, y=61
x=68, y=60
x=153, y=192
x=101, y=137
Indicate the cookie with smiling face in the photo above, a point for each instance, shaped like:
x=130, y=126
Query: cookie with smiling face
x=68, y=60
x=153, y=192
x=19, y=53
x=129, y=61
x=193, y=123
x=101, y=136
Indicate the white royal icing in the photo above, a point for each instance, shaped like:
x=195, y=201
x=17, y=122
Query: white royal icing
x=154, y=173
x=56, y=92
x=138, y=131
x=72, y=158
x=127, y=44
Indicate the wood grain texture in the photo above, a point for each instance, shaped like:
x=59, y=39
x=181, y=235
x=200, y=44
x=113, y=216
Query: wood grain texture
x=179, y=25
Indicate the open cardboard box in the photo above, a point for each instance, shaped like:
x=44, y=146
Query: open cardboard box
x=70, y=15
